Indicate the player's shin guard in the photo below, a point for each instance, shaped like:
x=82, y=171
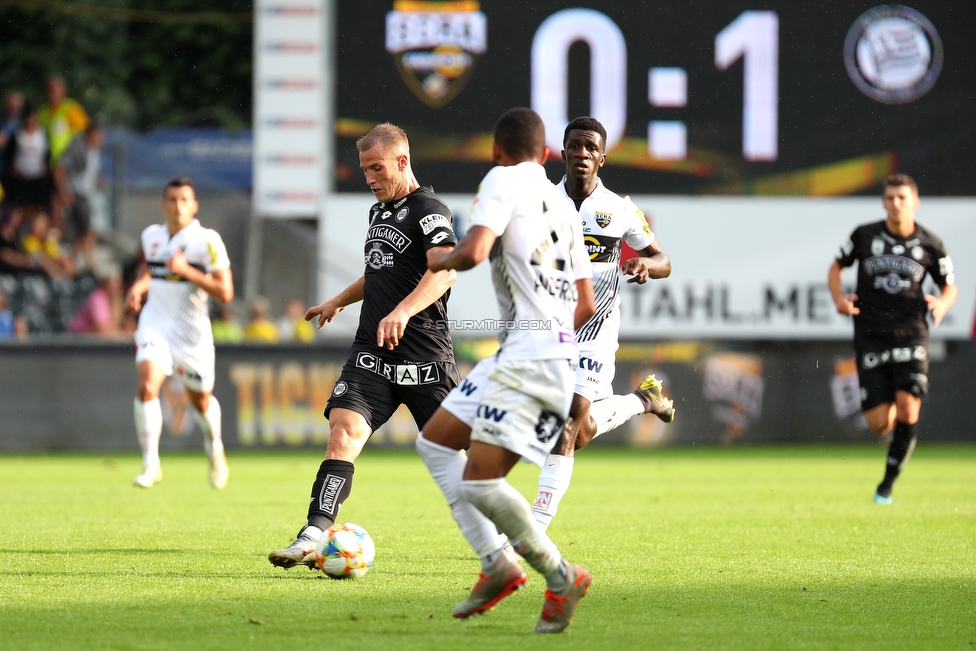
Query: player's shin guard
x=554, y=480
x=446, y=466
x=899, y=451
x=506, y=507
x=209, y=423
x=149, y=427
x=614, y=411
x=331, y=487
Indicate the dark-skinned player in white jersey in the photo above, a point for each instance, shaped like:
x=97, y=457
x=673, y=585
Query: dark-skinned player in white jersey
x=541, y=273
x=608, y=220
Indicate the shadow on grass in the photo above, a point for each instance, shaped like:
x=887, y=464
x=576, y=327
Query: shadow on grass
x=79, y=550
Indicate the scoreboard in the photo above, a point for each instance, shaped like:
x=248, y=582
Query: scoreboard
x=700, y=97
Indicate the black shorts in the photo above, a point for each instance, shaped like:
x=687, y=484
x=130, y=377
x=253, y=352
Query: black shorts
x=80, y=215
x=882, y=373
x=374, y=388
x=29, y=192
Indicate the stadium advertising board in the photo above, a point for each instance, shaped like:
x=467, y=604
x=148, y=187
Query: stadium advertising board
x=291, y=102
x=698, y=97
x=272, y=397
x=743, y=267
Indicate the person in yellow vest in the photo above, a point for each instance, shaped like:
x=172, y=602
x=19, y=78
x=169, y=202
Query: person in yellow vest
x=260, y=329
x=292, y=325
x=62, y=118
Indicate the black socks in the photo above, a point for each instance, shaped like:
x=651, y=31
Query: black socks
x=902, y=443
x=332, y=486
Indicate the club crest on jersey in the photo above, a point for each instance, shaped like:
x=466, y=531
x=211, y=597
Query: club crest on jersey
x=877, y=247
x=603, y=219
x=549, y=425
x=400, y=216
x=435, y=46
x=377, y=258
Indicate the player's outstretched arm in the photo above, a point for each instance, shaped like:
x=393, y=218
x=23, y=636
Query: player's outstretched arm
x=133, y=297
x=471, y=251
x=586, y=305
x=939, y=305
x=219, y=283
x=328, y=310
x=431, y=287
x=653, y=263
x=844, y=303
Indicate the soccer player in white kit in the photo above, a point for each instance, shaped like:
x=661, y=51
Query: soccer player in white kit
x=541, y=272
x=185, y=264
x=607, y=219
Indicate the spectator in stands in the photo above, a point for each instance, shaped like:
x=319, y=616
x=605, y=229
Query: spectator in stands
x=13, y=107
x=77, y=177
x=101, y=313
x=13, y=260
x=40, y=243
x=292, y=326
x=62, y=117
x=11, y=325
x=259, y=328
x=224, y=326
x=27, y=182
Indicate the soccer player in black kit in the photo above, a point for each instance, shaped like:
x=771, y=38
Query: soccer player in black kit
x=396, y=357
x=890, y=329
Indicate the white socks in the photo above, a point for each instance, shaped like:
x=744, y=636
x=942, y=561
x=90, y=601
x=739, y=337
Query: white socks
x=614, y=411
x=446, y=466
x=506, y=507
x=554, y=480
x=149, y=426
x=209, y=422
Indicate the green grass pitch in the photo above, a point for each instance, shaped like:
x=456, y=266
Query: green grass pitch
x=744, y=548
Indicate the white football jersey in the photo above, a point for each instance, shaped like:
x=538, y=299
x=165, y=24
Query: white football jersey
x=607, y=218
x=536, y=260
x=176, y=308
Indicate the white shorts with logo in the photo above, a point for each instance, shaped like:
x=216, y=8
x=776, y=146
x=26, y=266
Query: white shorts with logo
x=595, y=370
x=194, y=366
x=519, y=405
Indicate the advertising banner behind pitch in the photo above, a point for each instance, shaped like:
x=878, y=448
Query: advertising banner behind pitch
x=290, y=95
x=59, y=396
x=743, y=268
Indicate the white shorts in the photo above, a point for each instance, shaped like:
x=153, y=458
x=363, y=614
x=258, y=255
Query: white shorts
x=194, y=366
x=463, y=400
x=595, y=371
x=523, y=406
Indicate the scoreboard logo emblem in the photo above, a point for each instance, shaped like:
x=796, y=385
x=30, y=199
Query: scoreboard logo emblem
x=435, y=46
x=893, y=54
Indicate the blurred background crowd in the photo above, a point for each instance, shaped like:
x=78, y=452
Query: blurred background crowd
x=61, y=271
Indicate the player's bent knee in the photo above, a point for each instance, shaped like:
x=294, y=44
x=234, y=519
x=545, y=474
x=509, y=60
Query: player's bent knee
x=881, y=425
x=147, y=391
x=348, y=435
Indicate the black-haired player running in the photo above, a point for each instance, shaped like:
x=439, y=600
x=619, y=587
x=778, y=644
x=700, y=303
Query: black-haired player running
x=889, y=309
x=397, y=357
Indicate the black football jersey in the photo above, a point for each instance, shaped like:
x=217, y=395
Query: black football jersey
x=400, y=233
x=890, y=273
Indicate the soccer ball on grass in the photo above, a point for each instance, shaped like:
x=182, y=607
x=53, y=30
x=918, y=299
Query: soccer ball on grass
x=345, y=551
